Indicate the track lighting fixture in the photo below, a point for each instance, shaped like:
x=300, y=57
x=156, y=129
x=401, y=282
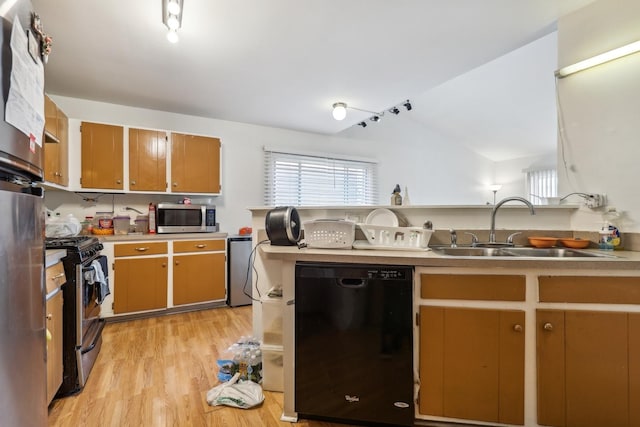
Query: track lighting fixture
x=172, y=18
x=339, y=112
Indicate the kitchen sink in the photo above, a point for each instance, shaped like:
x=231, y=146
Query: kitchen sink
x=468, y=251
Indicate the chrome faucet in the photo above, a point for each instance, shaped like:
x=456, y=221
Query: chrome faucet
x=492, y=232
x=454, y=238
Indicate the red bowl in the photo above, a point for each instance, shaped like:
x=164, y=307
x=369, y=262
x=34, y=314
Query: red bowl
x=575, y=243
x=543, y=242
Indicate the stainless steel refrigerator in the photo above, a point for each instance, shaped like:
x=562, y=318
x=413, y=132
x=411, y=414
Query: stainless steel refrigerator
x=22, y=298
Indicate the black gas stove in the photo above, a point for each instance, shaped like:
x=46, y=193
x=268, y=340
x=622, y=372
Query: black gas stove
x=82, y=297
x=79, y=248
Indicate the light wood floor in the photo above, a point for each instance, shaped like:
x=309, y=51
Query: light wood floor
x=157, y=371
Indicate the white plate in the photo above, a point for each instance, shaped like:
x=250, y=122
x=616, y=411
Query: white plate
x=383, y=217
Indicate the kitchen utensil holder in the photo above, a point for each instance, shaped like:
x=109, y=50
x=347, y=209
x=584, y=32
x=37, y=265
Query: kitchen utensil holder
x=329, y=233
x=396, y=237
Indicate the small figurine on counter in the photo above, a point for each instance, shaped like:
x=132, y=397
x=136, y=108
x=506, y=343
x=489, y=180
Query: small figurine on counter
x=396, y=198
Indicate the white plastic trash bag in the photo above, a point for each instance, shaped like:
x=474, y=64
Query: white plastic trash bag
x=239, y=394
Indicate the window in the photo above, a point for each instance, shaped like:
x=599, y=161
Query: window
x=315, y=180
x=542, y=183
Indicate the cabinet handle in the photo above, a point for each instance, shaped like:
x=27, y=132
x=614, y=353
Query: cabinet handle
x=57, y=276
x=133, y=183
x=118, y=181
x=177, y=262
x=164, y=264
x=175, y=184
x=517, y=327
x=142, y=249
x=548, y=327
x=49, y=316
x=201, y=246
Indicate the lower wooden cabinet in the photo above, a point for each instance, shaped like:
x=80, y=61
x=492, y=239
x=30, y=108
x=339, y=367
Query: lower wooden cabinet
x=140, y=281
x=199, y=277
x=54, y=344
x=472, y=364
x=588, y=365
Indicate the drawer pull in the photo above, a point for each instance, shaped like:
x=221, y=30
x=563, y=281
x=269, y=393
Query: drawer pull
x=517, y=327
x=58, y=276
x=49, y=316
x=201, y=246
x=548, y=327
x=142, y=249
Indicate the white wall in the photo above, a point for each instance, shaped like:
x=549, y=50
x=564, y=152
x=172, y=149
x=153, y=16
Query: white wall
x=600, y=111
x=435, y=171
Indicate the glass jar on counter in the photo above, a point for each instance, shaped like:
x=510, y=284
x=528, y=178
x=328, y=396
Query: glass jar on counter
x=103, y=220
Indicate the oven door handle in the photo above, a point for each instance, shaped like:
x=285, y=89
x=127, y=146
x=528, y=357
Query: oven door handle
x=94, y=337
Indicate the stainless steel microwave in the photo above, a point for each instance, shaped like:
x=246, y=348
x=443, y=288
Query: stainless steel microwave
x=183, y=218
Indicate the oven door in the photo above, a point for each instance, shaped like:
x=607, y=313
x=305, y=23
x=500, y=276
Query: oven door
x=94, y=287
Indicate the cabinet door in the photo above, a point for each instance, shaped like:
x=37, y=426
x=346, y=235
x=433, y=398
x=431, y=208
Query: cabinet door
x=140, y=284
x=195, y=164
x=102, y=156
x=472, y=364
x=198, y=278
x=54, y=345
x=63, y=149
x=56, y=141
x=590, y=355
x=147, y=160
x=50, y=117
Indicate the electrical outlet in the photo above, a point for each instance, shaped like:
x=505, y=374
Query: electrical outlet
x=594, y=200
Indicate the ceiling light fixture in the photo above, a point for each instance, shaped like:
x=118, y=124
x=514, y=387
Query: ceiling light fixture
x=339, y=112
x=611, y=55
x=172, y=18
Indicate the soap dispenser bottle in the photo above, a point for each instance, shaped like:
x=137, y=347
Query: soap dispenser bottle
x=606, y=239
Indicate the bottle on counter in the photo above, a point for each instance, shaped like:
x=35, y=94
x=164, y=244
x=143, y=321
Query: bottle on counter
x=396, y=198
x=152, y=218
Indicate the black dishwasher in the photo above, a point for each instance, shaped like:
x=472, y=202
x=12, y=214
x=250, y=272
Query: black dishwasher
x=354, y=343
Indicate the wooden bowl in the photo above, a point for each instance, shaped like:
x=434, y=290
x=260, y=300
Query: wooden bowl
x=575, y=243
x=543, y=242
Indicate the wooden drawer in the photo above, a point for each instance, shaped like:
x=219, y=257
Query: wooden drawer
x=483, y=287
x=55, y=277
x=589, y=289
x=181, y=246
x=141, y=248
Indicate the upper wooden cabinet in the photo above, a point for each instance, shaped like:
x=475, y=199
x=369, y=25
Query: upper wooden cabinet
x=102, y=156
x=147, y=160
x=195, y=164
x=56, y=144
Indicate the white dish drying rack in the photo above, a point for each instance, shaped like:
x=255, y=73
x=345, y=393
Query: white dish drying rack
x=394, y=238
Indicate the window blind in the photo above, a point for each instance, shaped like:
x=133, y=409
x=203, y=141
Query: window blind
x=542, y=183
x=294, y=179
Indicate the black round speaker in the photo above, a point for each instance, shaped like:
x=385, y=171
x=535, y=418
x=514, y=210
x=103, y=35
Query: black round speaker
x=283, y=226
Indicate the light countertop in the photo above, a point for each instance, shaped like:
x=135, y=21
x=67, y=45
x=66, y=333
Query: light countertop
x=52, y=256
x=622, y=260
x=167, y=236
